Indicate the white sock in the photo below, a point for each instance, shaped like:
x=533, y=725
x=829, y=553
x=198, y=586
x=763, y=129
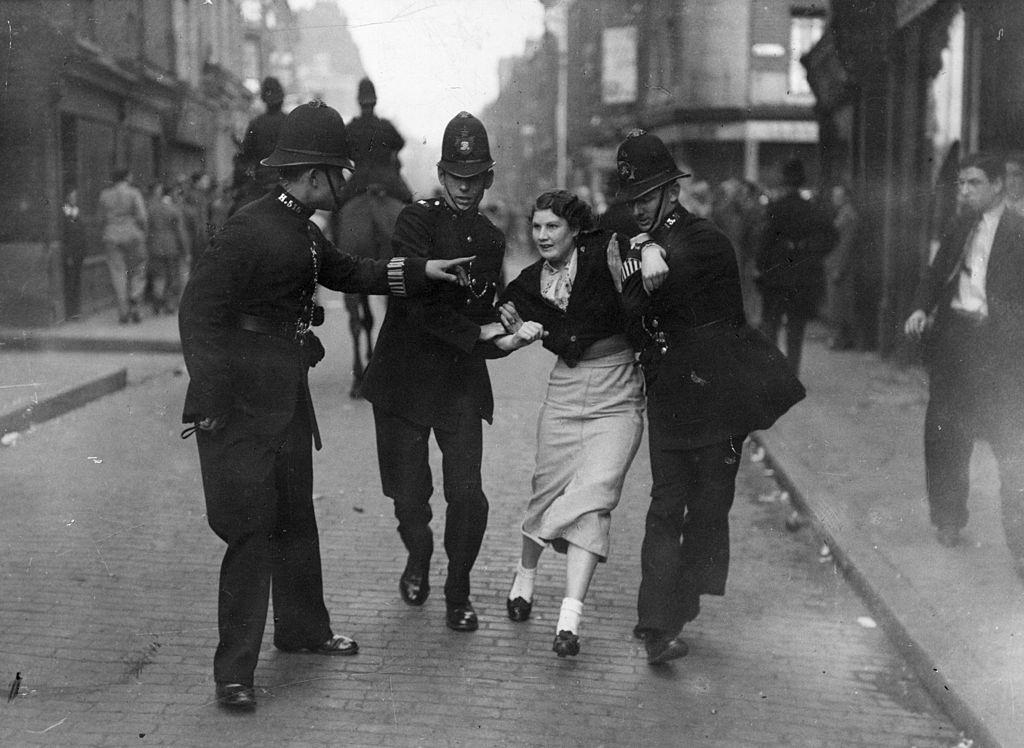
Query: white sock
x=522, y=585
x=569, y=616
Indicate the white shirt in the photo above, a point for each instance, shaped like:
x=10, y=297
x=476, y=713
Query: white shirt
x=970, y=297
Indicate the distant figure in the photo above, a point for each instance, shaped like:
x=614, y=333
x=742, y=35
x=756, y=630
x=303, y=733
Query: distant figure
x=843, y=269
x=252, y=180
x=72, y=252
x=125, y=221
x=1014, y=163
x=196, y=209
x=796, y=237
x=738, y=212
x=970, y=306
x=369, y=207
x=169, y=246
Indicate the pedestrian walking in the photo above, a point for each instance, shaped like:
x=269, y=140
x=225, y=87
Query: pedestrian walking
x=125, y=222
x=252, y=178
x=169, y=246
x=591, y=421
x=710, y=381
x=245, y=322
x=797, y=236
x=969, y=307
x=73, y=249
x=428, y=373
x=843, y=265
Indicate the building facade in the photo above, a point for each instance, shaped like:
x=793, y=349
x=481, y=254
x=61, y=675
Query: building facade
x=720, y=82
x=155, y=86
x=904, y=89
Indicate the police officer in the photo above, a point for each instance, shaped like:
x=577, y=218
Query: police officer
x=710, y=380
x=428, y=372
x=252, y=179
x=375, y=144
x=245, y=321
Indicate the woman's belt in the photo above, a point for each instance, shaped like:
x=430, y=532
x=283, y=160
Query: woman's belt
x=606, y=346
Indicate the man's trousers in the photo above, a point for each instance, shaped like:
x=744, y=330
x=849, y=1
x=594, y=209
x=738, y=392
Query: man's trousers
x=403, y=454
x=685, y=549
x=259, y=500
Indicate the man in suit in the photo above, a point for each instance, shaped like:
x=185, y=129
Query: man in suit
x=428, y=373
x=711, y=380
x=245, y=320
x=970, y=302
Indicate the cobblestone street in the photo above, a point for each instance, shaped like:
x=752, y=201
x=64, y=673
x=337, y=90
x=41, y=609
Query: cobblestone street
x=109, y=588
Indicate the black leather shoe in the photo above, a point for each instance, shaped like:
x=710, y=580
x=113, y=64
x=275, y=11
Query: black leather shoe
x=337, y=645
x=462, y=617
x=414, y=588
x=661, y=649
x=567, y=644
x=237, y=697
x=519, y=609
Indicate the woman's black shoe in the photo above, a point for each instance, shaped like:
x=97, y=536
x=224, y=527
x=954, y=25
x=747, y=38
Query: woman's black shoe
x=518, y=609
x=567, y=644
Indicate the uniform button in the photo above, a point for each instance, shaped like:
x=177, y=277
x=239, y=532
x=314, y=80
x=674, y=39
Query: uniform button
x=572, y=338
x=654, y=323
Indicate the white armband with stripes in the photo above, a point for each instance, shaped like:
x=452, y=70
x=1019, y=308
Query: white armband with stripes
x=396, y=276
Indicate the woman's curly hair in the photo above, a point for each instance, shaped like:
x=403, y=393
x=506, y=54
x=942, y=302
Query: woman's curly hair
x=565, y=204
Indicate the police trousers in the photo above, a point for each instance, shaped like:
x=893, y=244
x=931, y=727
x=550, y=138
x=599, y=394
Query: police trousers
x=259, y=500
x=403, y=454
x=685, y=551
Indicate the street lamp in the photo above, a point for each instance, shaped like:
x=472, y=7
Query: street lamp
x=556, y=20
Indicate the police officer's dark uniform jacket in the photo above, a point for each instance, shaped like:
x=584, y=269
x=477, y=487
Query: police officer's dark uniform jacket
x=709, y=375
x=427, y=354
x=263, y=266
x=594, y=311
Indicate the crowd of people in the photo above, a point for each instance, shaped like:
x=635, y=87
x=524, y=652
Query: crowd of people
x=149, y=240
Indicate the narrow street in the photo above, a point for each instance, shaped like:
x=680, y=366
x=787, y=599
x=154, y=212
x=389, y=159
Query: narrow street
x=109, y=587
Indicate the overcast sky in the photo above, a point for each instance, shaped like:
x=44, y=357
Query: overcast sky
x=430, y=59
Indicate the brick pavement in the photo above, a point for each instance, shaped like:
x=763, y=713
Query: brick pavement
x=109, y=584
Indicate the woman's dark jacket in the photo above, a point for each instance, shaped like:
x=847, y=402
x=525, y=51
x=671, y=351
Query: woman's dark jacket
x=594, y=311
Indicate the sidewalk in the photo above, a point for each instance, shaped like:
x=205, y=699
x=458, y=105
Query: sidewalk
x=852, y=457
x=46, y=372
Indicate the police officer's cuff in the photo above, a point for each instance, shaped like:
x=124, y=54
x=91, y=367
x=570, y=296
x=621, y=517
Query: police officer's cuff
x=630, y=267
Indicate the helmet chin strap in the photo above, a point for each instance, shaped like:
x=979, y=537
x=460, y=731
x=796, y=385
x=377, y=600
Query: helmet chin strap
x=451, y=199
x=330, y=184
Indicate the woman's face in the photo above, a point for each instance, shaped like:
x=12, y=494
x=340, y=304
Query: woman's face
x=552, y=236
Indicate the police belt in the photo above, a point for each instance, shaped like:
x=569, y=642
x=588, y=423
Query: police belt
x=264, y=326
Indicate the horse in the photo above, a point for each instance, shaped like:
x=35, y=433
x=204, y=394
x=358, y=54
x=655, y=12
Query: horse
x=363, y=226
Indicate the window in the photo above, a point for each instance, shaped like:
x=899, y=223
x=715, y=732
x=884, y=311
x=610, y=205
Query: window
x=805, y=29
